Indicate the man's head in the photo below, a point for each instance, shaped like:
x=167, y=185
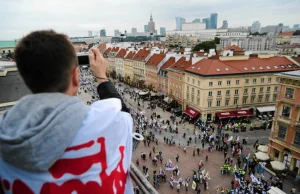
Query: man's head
x=47, y=62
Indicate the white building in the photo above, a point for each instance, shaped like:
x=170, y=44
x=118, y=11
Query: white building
x=255, y=43
x=90, y=33
x=193, y=26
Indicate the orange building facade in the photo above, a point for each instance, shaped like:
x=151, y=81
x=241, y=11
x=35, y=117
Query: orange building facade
x=284, y=141
x=152, y=68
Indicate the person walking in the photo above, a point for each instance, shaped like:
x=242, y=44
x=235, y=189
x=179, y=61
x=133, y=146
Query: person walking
x=177, y=158
x=293, y=191
x=178, y=187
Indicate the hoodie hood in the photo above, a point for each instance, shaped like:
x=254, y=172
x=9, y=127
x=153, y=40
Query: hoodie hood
x=35, y=132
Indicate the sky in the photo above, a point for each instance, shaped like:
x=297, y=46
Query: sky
x=77, y=17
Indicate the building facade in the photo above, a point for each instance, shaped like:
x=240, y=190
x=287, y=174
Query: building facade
x=162, y=76
x=139, y=61
x=233, y=83
x=214, y=20
x=128, y=67
x=162, y=31
x=7, y=46
x=255, y=27
x=102, y=33
x=225, y=24
x=119, y=61
x=179, y=22
x=182, y=41
x=283, y=38
x=111, y=59
x=207, y=22
x=193, y=26
x=153, y=66
x=255, y=43
x=151, y=25
x=284, y=141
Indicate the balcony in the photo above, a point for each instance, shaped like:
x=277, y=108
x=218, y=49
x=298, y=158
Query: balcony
x=139, y=179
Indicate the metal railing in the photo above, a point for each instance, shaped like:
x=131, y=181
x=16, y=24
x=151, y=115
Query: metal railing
x=139, y=179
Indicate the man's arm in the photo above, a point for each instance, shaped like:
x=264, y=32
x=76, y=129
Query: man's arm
x=107, y=90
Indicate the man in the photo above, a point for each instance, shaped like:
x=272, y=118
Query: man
x=50, y=141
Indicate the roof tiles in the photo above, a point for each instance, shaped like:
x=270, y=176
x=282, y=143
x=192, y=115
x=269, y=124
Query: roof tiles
x=121, y=53
x=141, y=54
x=285, y=33
x=155, y=59
x=181, y=64
x=168, y=63
x=234, y=48
x=130, y=55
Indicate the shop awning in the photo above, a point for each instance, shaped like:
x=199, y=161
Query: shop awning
x=266, y=109
x=244, y=113
x=223, y=115
x=191, y=112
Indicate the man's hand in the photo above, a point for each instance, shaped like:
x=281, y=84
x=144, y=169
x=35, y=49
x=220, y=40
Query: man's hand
x=98, y=65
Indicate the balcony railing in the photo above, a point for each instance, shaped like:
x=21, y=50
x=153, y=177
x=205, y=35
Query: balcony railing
x=139, y=179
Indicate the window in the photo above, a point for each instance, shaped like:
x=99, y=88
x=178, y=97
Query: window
x=192, y=90
x=245, y=99
x=209, y=104
x=253, y=90
x=262, y=80
x=198, y=101
x=219, y=93
x=237, y=82
x=219, y=83
x=276, y=89
x=192, y=99
x=247, y=81
x=198, y=92
x=198, y=83
x=267, y=99
x=297, y=138
x=218, y=102
x=269, y=80
x=281, y=131
x=193, y=81
x=226, y=102
x=227, y=92
x=188, y=79
x=210, y=84
x=235, y=101
x=259, y=99
x=286, y=111
x=268, y=89
x=246, y=91
x=187, y=96
x=252, y=99
x=236, y=92
x=261, y=89
x=228, y=83
x=289, y=93
x=274, y=97
x=187, y=88
x=254, y=81
x=210, y=93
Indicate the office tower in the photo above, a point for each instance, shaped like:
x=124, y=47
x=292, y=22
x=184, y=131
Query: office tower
x=196, y=21
x=207, y=22
x=151, y=25
x=162, y=31
x=179, y=22
x=90, y=33
x=255, y=27
x=213, y=20
x=146, y=29
x=225, y=24
x=102, y=33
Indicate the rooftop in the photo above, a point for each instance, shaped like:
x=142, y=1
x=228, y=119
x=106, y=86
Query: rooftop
x=107, y=51
x=181, y=64
x=121, y=53
x=155, y=59
x=8, y=44
x=297, y=59
x=285, y=33
x=102, y=47
x=291, y=73
x=234, y=48
x=208, y=67
x=130, y=55
x=141, y=54
x=168, y=63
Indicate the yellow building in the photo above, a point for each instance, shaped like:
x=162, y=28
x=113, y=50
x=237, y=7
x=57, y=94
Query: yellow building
x=283, y=38
x=229, y=87
x=7, y=46
x=139, y=60
x=111, y=59
x=128, y=67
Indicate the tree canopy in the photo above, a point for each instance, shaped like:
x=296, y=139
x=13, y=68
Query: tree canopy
x=206, y=45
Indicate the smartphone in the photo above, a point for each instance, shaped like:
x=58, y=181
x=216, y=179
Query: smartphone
x=83, y=59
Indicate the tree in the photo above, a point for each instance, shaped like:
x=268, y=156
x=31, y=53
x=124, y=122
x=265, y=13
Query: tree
x=206, y=45
x=217, y=40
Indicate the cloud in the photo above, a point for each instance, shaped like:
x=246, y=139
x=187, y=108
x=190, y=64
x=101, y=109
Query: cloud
x=76, y=17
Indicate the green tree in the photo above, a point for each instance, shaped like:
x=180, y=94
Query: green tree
x=217, y=40
x=206, y=45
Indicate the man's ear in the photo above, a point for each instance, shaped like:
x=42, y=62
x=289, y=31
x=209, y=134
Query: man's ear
x=75, y=77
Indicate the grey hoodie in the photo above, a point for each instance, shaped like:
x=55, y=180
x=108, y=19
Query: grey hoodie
x=35, y=132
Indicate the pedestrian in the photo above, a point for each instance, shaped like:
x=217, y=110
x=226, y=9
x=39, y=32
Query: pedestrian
x=177, y=158
x=150, y=154
x=206, y=158
x=178, y=187
x=202, y=144
x=198, y=151
x=205, y=185
x=225, y=154
x=293, y=191
x=186, y=186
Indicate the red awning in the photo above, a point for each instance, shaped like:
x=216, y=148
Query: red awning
x=228, y=114
x=244, y=113
x=191, y=112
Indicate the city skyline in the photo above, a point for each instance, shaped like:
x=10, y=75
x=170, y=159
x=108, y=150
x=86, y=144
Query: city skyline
x=124, y=15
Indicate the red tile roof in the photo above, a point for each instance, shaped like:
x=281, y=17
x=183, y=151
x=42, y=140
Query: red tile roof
x=130, y=55
x=181, y=64
x=115, y=49
x=252, y=65
x=201, y=54
x=107, y=51
x=168, y=63
x=102, y=47
x=141, y=54
x=121, y=53
x=234, y=48
x=285, y=33
x=155, y=59
x=297, y=59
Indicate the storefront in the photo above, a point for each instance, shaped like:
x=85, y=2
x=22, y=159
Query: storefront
x=234, y=114
x=191, y=112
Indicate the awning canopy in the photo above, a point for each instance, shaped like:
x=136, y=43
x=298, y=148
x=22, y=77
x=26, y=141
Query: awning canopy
x=266, y=109
x=278, y=165
x=244, y=113
x=229, y=114
x=191, y=112
x=223, y=115
x=166, y=99
x=275, y=190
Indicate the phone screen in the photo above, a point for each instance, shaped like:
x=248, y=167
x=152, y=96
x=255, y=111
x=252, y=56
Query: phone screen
x=83, y=60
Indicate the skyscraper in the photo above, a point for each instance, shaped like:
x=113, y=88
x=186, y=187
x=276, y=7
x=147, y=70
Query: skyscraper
x=207, y=22
x=213, y=20
x=196, y=21
x=179, y=22
x=90, y=33
x=225, y=24
x=151, y=25
x=146, y=28
x=255, y=27
x=117, y=33
x=162, y=31
x=102, y=32
x=133, y=31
